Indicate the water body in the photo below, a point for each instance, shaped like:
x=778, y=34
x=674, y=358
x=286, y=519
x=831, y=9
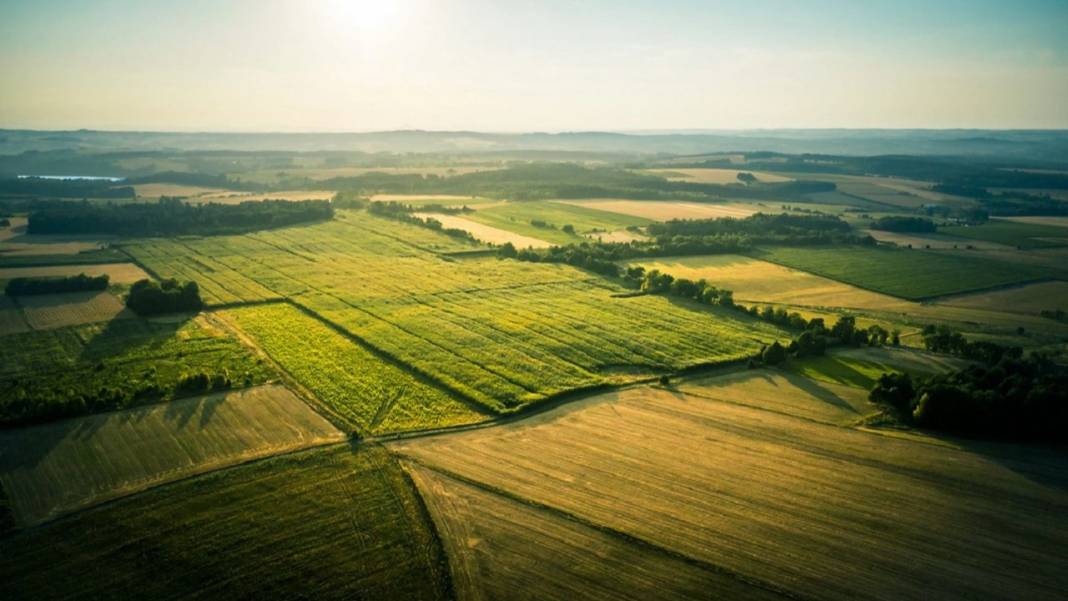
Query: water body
x=99, y=178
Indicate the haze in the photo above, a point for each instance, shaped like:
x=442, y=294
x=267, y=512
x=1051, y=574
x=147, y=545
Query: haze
x=519, y=66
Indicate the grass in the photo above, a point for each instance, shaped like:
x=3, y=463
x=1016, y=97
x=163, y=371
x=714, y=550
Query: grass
x=910, y=274
x=128, y=356
x=517, y=217
x=1012, y=233
x=861, y=368
x=367, y=392
x=336, y=523
x=55, y=468
x=793, y=505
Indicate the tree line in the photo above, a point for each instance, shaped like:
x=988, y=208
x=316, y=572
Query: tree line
x=403, y=212
x=919, y=225
x=172, y=216
x=148, y=297
x=74, y=283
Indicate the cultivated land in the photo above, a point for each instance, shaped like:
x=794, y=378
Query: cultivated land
x=1012, y=233
x=518, y=217
x=11, y=319
x=934, y=241
x=335, y=523
x=155, y=191
x=1029, y=299
x=448, y=200
x=787, y=504
x=494, y=235
x=230, y=197
x=1046, y=220
x=664, y=210
x=716, y=176
x=910, y=274
x=55, y=468
x=367, y=392
x=500, y=333
x=46, y=311
x=118, y=273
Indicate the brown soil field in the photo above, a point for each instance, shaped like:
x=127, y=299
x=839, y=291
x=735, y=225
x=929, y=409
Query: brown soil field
x=51, y=469
x=663, y=210
x=499, y=548
x=486, y=233
x=1029, y=299
x=118, y=273
x=788, y=504
x=716, y=176
x=47, y=311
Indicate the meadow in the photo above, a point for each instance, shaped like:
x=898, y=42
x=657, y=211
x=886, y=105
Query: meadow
x=909, y=274
x=335, y=523
x=785, y=504
x=53, y=469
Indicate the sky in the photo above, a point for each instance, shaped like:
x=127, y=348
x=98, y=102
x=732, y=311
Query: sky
x=503, y=65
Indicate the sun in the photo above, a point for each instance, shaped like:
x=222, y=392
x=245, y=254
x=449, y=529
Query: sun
x=366, y=15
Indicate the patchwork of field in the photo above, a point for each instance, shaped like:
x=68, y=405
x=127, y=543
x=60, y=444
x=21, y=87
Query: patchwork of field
x=910, y=274
x=500, y=333
x=47, y=311
x=1029, y=299
x=665, y=210
x=15, y=242
x=118, y=273
x=333, y=523
x=448, y=200
x=138, y=359
x=933, y=241
x=365, y=391
x=495, y=235
x=518, y=217
x=319, y=173
x=155, y=191
x=1012, y=233
x=231, y=197
x=52, y=469
x=500, y=548
x=788, y=505
x=716, y=176
x=889, y=191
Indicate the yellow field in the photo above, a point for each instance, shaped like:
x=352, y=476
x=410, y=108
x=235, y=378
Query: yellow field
x=231, y=197
x=663, y=210
x=716, y=176
x=445, y=199
x=118, y=273
x=616, y=236
x=1032, y=298
x=158, y=190
x=55, y=468
x=486, y=233
x=499, y=548
x=776, y=501
x=47, y=311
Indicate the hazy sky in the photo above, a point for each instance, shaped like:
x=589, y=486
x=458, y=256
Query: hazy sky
x=501, y=65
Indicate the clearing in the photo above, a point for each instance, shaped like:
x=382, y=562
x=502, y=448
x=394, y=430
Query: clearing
x=56, y=468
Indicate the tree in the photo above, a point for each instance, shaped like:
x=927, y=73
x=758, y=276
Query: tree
x=568, y=229
x=774, y=354
x=895, y=390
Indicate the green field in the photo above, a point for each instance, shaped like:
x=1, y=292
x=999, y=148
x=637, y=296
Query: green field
x=337, y=523
x=861, y=368
x=51, y=469
x=517, y=217
x=113, y=365
x=1012, y=233
x=501, y=333
x=910, y=274
x=367, y=392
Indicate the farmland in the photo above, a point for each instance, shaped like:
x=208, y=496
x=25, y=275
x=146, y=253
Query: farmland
x=52, y=469
x=1012, y=233
x=495, y=235
x=716, y=176
x=336, y=523
x=117, y=364
x=118, y=273
x=46, y=311
x=1028, y=299
x=664, y=210
x=365, y=391
x=783, y=503
x=518, y=217
x=910, y=274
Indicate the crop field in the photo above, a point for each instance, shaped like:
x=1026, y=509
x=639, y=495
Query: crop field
x=143, y=360
x=46, y=311
x=1012, y=233
x=862, y=367
x=785, y=504
x=495, y=235
x=517, y=216
x=933, y=241
x=499, y=548
x=890, y=191
x=118, y=273
x=448, y=200
x=52, y=469
x=1029, y=299
x=716, y=176
x=665, y=210
x=367, y=392
x=231, y=197
x=155, y=191
x=11, y=319
x=501, y=333
x=910, y=274
x=1061, y=222
x=333, y=523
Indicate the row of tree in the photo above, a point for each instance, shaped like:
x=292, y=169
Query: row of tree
x=74, y=283
x=171, y=216
x=919, y=225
